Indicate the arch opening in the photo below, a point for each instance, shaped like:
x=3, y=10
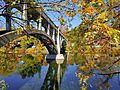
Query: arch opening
x=42, y=36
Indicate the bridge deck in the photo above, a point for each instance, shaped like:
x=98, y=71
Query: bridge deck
x=3, y=32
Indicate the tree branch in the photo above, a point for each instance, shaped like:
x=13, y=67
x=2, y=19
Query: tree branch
x=114, y=63
x=107, y=73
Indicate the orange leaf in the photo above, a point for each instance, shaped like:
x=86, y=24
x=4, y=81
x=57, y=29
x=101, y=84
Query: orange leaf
x=67, y=14
x=74, y=1
x=90, y=10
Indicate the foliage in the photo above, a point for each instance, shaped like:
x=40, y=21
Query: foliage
x=96, y=28
x=29, y=67
x=12, y=53
x=96, y=39
x=89, y=10
x=3, y=85
x=7, y=63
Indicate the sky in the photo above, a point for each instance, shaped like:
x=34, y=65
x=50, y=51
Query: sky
x=2, y=19
x=54, y=17
x=75, y=22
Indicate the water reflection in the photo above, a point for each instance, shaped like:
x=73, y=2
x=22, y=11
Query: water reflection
x=97, y=70
x=7, y=63
x=29, y=66
x=54, y=76
x=59, y=74
x=31, y=72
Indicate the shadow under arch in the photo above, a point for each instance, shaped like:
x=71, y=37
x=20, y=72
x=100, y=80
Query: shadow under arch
x=63, y=46
x=46, y=40
x=41, y=35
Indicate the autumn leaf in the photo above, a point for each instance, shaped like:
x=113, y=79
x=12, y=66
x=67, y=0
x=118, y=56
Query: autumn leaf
x=83, y=3
x=84, y=88
x=91, y=63
x=74, y=1
x=13, y=3
x=102, y=15
x=72, y=14
x=84, y=68
x=94, y=26
x=90, y=10
x=62, y=20
x=79, y=5
x=67, y=14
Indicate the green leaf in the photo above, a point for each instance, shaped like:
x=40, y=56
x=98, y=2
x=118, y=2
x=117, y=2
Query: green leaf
x=13, y=3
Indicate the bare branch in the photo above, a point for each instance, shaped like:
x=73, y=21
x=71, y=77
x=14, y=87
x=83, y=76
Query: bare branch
x=108, y=73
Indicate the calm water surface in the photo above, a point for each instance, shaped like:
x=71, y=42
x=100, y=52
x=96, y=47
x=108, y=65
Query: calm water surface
x=30, y=74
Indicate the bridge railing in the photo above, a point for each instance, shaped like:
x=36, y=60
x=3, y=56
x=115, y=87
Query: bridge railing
x=45, y=24
x=45, y=16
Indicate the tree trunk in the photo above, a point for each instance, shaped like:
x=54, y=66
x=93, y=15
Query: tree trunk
x=8, y=23
x=8, y=18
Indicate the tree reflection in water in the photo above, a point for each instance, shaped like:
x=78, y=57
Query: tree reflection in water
x=7, y=63
x=96, y=71
x=93, y=70
x=31, y=66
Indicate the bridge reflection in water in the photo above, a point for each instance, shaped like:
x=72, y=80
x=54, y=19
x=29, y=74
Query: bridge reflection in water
x=49, y=79
x=53, y=77
x=31, y=74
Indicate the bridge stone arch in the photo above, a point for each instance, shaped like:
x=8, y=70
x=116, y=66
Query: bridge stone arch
x=41, y=35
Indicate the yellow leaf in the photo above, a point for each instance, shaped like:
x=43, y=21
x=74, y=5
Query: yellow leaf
x=84, y=88
x=81, y=80
x=85, y=79
x=39, y=19
x=116, y=40
x=85, y=68
x=93, y=2
x=83, y=3
x=102, y=15
x=79, y=5
x=99, y=4
x=112, y=1
x=91, y=63
x=72, y=14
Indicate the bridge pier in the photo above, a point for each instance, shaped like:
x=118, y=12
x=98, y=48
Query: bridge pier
x=48, y=29
x=40, y=23
x=25, y=18
x=59, y=56
x=58, y=41
x=53, y=35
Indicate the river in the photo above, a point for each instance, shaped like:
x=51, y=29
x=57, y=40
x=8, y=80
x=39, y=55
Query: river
x=31, y=73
